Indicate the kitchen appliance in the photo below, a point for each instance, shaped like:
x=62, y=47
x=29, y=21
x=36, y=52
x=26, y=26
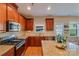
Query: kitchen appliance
x=11, y=40
x=13, y=26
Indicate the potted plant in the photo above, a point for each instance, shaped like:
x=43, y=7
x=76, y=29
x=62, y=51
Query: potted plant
x=62, y=40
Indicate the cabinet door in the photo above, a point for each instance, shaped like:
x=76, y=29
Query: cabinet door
x=38, y=41
x=29, y=24
x=30, y=41
x=25, y=24
x=22, y=22
x=12, y=13
x=34, y=41
x=15, y=16
x=49, y=24
x=2, y=17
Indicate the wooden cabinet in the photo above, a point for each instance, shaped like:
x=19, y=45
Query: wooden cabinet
x=7, y=12
x=22, y=22
x=9, y=53
x=2, y=17
x=26, y=43
x=12, y=13
x=29, y=24
x=35, y=40
x=49, y=24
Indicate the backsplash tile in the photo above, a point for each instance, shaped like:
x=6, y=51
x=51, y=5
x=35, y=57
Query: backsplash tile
x=8, y=34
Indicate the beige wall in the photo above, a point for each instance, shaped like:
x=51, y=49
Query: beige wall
x=39, y=21
x=66, y=19
x=57, y=20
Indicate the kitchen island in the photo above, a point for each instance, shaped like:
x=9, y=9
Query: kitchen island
x=50, y=49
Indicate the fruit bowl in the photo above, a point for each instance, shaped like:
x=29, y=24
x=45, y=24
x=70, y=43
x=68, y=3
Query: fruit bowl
x=61, y=46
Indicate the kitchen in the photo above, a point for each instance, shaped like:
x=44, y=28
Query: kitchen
x=33, y=33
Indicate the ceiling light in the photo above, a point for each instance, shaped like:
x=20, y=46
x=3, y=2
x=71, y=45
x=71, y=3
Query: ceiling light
x=49, y=8
x=28, y=8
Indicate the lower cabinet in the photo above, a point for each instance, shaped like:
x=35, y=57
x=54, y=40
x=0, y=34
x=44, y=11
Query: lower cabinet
x=9, y=53
x=35, y=40
x=26, y=45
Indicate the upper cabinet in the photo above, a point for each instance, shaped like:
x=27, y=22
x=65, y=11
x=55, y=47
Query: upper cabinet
x=12, y=12
x=9, y=11
x=49, y=24
x=29, y=24
x=22, y=22
x=2, y=17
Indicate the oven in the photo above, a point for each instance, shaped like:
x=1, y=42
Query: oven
x=20, y=47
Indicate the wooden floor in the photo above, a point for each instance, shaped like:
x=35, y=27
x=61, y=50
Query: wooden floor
x=33, y=51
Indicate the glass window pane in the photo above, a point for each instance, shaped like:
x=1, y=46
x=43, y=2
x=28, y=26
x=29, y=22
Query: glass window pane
x=73, y=29
x=77, y=29
x=59, y=29
x=73, y=32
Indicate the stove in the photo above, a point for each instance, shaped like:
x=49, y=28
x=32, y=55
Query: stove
x=17, y=42
x=9, y=42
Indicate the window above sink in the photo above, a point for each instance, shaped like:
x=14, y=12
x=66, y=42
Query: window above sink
x=39, y=28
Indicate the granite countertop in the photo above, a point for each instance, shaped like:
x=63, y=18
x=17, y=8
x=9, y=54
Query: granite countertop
x=24, y=35
x=5, y=48
x=50, y=49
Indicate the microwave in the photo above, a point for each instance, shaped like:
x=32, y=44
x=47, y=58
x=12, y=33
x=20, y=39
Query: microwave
x=13, y=26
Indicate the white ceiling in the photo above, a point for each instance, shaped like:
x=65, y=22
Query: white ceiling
x=57, y=9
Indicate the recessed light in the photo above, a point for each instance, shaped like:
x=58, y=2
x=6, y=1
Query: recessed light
x=48, y=8
x=28, y=8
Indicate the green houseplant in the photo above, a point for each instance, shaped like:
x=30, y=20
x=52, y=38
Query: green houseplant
x=61, y=39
